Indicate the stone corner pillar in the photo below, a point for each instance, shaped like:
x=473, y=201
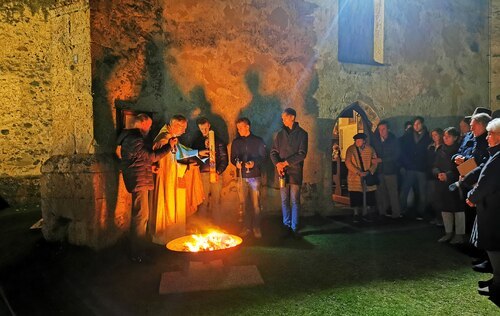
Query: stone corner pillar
x=84, y=201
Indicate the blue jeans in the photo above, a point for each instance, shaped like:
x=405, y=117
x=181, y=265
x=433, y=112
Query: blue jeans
x=418, y=181
x=290, y=205
x=251, y=186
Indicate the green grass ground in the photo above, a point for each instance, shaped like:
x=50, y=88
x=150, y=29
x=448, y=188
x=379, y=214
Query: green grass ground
x=337, y=269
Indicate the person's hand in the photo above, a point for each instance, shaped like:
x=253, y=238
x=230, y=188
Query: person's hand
x=459, y=160
x=204, y=153
x=155, y=168
x=376, y=160
x=249, y=164
x=281, y=165
x=363, y=173
x=280, y=168
x=238, y=164
x=470, y=203
x=173, y=141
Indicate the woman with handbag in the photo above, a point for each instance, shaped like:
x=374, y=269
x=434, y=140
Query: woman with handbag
x=448, y=202
x=361, y=178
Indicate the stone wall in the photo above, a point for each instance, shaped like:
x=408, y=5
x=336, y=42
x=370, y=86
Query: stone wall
x=25, y=113
x=435, y=65
x=495, y=55
x=223, y=59
x=79, y=200
x=44, y=90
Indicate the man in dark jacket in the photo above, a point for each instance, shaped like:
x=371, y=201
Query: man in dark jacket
x=212, y=190
x=474, y=144
x=388, y=150
x=136, y=164
x=287, y=154
x=414, y=161
x=486, y=197
x=247, y=154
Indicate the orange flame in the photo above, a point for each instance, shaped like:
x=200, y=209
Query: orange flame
x=214, y=240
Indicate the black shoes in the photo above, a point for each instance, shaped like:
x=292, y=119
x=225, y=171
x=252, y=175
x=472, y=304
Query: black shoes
x=296, y=235
x=483, y=284
x=483, y=267
x=289, y=232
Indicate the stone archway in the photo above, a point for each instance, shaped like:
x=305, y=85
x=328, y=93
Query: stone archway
x=356, y=117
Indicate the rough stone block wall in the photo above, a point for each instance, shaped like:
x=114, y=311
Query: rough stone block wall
x=82, y=202
x=73, y=124
x=25, y=111
x=45, y=90
x=495, y=55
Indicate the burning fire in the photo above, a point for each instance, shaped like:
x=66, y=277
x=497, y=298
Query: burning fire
x=211, y=241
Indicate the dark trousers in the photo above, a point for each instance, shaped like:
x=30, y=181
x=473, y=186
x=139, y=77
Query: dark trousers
x=139, y=220
x=495, y=263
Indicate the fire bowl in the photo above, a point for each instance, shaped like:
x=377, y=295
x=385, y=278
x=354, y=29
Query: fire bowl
x=227, y=244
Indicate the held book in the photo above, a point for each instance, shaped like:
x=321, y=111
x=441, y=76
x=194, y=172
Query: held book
x=467, y=166
x=186, y=155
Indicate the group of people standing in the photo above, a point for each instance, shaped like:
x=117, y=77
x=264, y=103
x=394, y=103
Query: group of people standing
x=170, y=181
x=453, y=172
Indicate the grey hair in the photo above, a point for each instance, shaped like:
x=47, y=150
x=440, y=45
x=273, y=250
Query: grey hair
x=494, y=126
x=481, y=118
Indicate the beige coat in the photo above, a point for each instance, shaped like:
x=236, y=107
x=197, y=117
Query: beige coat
x=354, y=167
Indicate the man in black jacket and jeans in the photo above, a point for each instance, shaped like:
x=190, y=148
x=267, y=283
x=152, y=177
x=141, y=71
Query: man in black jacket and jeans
x=288, y=153
x=212, y=190
x=136, y=165
x=247, y=154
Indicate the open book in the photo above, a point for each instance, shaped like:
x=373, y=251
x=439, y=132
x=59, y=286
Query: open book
x=186, y=155
x=467, y=166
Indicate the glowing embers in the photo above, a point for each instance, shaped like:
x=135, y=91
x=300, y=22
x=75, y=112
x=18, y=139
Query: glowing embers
x=212, y=241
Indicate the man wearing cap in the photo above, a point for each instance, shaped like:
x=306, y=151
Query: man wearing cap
x=288, y=152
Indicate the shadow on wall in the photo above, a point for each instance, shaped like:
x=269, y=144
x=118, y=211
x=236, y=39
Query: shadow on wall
x=104, y=126
x=203, y=108
x=159, y=92
x=264, y=113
